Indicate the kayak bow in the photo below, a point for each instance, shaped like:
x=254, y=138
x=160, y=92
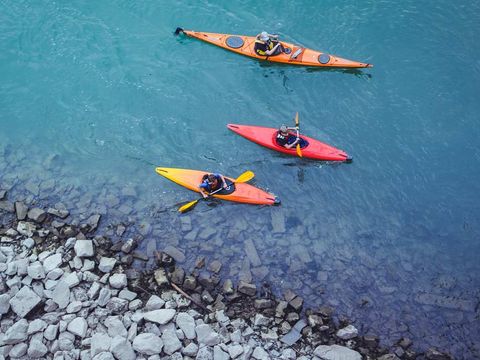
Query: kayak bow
x=266, y=136
x=243, y=193
x=293, y=54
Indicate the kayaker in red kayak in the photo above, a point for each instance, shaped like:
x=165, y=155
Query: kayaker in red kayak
x=211, y=183
x=267, y=44
x=287, y=138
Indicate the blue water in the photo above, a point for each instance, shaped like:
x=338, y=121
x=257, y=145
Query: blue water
x=94, y=95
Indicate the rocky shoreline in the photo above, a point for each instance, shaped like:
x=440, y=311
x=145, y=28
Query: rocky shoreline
x=69, y=293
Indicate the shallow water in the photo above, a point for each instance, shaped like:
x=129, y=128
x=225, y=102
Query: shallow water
x=94, y=96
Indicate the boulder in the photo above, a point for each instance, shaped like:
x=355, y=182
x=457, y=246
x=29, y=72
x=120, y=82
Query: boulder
x=36, y=214
x=84, y=248
x=161, y=316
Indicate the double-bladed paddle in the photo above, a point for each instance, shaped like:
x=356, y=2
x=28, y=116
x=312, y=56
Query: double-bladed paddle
x=246, y=176
x=297, y=125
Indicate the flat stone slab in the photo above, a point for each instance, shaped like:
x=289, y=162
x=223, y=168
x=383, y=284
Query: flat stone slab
x=294, y=334
x=336, y=352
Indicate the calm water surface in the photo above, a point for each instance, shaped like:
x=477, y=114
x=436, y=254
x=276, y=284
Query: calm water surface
x=94, y=96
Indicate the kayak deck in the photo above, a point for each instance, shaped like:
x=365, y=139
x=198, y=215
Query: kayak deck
x=294, y=54
x=266, y=136
x=243, y=193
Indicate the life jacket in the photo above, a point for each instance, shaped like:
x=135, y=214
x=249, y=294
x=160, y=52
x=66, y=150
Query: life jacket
x=268, y=45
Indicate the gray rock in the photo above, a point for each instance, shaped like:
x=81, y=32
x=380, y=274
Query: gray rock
x=37, y=215
x=154, y=303
x=26, y=228
x=147, y=344
x=348, y=332
x=252, y=254
x=107, y=264
x=288, y=354
x=36, y=349
x=21, y=210
x=336, y=352
x=206, y=335
x=295, y=333
x=161, y=316
x=160, y=277
x=61, y=213
x=128, y=246
x=187, y=324
x=204, y=353
x=99, y=343
x=190, y=350
x=61, y=294
x=84, y=248
x=50, y=332
x=127, y=294
x=28, y=243
x=24, y=301
x=105, y=355
x=78, y=326
x=55, y=274
x=175, y=253
x=36, y=326
x=246, y=288
x=74, y=307
x=117, y=305
x=4, y=303
x=118, y=281
x=135, y=305
x=93, y=221
x=261, y=320
x=260, y=354
x=52, y=262
x=3, y=193
x=16, y=333
x=6, y=206
x=36, y=271
x=170, y=342
x=115, y=327
x=122, y=349
x=235, y=350
x=18, y=350
x=219, y=354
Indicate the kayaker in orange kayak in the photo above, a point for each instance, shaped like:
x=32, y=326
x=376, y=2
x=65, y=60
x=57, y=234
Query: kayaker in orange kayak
x=211, y=183
x=287, y=138
x=267, y=44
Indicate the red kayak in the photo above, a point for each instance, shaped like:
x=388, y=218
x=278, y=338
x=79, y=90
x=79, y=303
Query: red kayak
x=311, y=148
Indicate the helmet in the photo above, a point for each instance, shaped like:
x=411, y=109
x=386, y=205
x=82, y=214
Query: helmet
x=264, y=36
x=283, y=129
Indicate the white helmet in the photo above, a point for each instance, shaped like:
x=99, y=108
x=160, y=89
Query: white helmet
x=264, y=36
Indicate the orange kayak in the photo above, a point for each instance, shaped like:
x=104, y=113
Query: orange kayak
x=240, y=192
x=293, y=54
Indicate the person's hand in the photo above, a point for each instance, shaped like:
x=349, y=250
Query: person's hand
x=225, y=186
x=204, y=195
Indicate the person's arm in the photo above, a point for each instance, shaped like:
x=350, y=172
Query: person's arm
x=289, y=146
x=270, y=52
x=203, y=192
x=224, y=183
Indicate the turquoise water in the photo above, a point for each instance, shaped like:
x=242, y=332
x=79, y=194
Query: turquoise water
x=94, y=96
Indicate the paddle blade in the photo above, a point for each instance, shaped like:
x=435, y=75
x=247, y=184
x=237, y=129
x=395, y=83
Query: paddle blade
x=299, y=150
x=246, y=176
x=297, y=123
x=187, y=206
x=178, y=30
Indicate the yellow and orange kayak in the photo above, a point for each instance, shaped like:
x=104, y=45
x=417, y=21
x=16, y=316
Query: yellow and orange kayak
x=238, y=192
x=292, y=54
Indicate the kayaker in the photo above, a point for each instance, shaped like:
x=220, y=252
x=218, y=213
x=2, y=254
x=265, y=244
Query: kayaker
x=286, y=137
x=211, y=183
x=267, y=44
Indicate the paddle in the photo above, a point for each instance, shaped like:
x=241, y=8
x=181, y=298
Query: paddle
x=246, y=176
x=297, y=125
x=178, y=30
